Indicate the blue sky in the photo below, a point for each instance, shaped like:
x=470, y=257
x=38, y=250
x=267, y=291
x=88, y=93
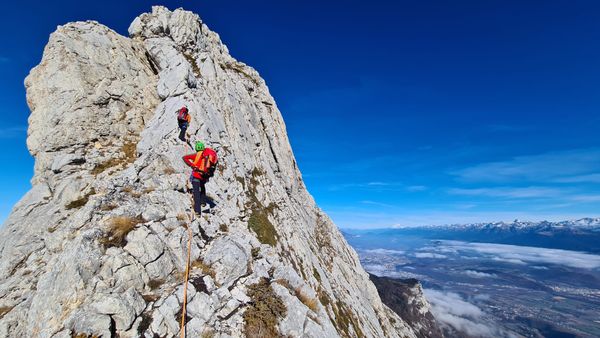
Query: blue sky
x=399, y=112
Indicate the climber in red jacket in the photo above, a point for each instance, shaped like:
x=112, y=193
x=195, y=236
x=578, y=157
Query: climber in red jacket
x=183, y=121
x=203, y=164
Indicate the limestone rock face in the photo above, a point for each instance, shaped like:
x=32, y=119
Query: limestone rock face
x=405, y=298
x=98, y=246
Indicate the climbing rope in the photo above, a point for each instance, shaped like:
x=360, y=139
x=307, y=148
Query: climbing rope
x=187, y=269
x=187, y=275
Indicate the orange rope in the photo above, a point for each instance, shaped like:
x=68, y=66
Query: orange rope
x=187, y=272
x=187, y=275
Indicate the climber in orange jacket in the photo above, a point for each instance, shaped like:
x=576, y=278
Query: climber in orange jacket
x=183, y=121
x=203, y=164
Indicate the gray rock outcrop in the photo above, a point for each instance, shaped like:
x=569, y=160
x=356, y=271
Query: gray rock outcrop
x=405, y=298
x=98, y=246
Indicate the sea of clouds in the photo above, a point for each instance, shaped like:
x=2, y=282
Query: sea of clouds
x=523, y=254
x=451, y=309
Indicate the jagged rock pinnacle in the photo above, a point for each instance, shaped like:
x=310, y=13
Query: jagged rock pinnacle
x=98, y=246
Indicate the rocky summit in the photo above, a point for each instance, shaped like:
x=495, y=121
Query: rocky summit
x=98, y=246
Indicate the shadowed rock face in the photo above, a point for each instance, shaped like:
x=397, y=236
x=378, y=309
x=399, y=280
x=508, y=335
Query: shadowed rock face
x=98, y=245
x=405, y=297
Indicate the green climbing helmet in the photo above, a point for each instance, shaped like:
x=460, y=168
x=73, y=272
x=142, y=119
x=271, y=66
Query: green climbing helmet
x=199, y=146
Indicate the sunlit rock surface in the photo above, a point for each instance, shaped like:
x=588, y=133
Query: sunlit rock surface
x=98, y=246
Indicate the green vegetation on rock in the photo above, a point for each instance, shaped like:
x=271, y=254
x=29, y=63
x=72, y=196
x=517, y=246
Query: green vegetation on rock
x=259, y=217
x=264, y=229
x=264, y=311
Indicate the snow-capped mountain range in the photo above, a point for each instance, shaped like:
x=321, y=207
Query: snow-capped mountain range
x=579, y=235
x=587, y=223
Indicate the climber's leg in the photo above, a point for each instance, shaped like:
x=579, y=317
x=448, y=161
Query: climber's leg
x=203, y=193
x=182, y=133
x=197, y=188
x=182, y=129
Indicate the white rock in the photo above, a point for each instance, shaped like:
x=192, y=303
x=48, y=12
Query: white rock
x=103, y=133
x=90, y=323
x=146, y=247
x=228, y=259
x=201, y=307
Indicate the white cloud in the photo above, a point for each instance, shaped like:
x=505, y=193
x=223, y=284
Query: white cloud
x=444, y=249
x=385, y=251
x=428, y=255
x=585, y=198
x=376, y=269
x=508, y=192
x=465, y=206
x=592, y=178
x=482, y=297
x=377, y=204
x=525, y=254
x=509, y=260
x=581, y=165
x=452, y=310
x=478, y=274
x=563, y=197
x=378, y=186
x=12, y=132
x=388, y=271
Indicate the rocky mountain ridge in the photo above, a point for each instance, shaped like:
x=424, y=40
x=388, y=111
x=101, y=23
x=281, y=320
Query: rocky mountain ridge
x=97, y=247
x=587, y=222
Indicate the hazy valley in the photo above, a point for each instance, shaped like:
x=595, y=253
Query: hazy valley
x=498, y=281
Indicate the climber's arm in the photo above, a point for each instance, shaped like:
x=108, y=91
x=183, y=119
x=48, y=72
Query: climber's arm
x=189, y=159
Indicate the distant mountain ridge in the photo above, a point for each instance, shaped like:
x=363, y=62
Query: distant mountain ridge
x=579, y=235
x=587, y=222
